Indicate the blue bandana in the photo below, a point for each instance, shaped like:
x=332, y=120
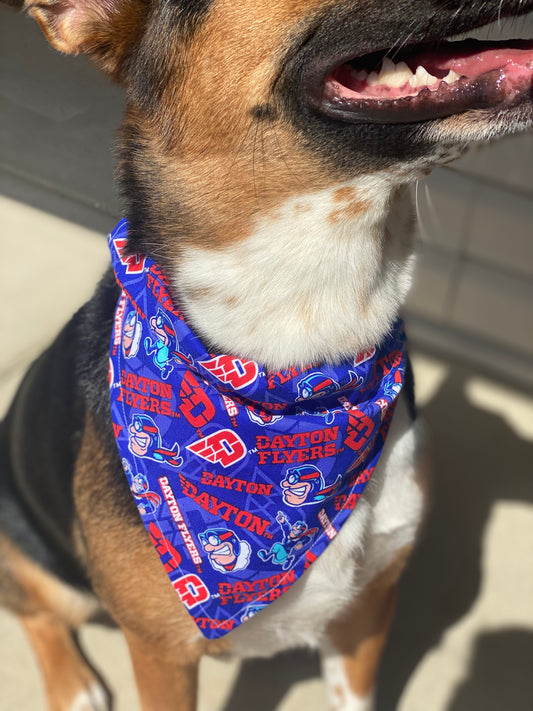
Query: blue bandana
x=242, y=475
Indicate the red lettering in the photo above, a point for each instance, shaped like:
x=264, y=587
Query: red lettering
x=363, y=356
x=207, y=478
x=166, y=409
x=263, y=457
x=303, y=455
x=262, y=442
x=330, y=449
x=243, y=519
x=290, y=441
x=309, y=559
x=230, y=509
x=289, y=456
x=265, y=489
x=277, y=457
x=259, y=525
x=221, y=508
x=316, y=453
x=316, y=437
x=331, y=434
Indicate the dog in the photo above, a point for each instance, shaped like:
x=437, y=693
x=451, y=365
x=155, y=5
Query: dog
x=264, y=161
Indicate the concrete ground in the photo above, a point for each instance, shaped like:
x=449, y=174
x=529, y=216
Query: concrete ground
x=463, y=638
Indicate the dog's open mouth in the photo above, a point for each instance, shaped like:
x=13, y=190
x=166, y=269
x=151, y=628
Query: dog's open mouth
x=427, y=82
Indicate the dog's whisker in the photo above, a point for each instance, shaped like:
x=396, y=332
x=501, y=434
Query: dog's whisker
x=419, y=220
x=282, y=155
x=254, y=153
x=236, y=157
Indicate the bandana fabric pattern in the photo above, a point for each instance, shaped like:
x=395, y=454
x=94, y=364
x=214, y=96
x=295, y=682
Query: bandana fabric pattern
x=242, y=476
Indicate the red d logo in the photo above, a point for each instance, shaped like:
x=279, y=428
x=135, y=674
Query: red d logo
x=234, y=371
x=134, y=263
x=191, y=590
x=224, y=447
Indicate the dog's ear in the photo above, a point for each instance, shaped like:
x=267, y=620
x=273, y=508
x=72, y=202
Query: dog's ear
x=106, y=30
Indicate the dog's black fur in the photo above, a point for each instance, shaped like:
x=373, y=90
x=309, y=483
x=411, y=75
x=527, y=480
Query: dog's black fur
x=67, y=380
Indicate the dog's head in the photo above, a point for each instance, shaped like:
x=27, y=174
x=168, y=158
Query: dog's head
x=235, y=106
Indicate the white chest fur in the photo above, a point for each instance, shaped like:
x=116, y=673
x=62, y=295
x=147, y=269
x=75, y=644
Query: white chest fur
x=321, y=279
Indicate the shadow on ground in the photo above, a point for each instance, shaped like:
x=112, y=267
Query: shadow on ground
x=500, y=674
x=263, y=683
x=478, y=460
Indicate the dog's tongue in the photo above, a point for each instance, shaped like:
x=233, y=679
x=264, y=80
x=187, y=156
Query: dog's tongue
x=458, y=63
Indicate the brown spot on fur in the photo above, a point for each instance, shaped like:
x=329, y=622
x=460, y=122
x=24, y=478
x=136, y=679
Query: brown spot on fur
x=228, y=193
x=231, y=301
x=345, y=194
x=361, y=633
x=199, y=293
x=349, y=212
x=338, y=697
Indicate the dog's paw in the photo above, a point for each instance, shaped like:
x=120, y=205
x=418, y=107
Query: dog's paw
x=94, y=698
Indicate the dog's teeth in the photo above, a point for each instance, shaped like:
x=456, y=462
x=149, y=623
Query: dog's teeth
x=373, y=79
x=394, y=75
x=422, y=78
x=403, y=74
x=387, y=70
x=451, y=77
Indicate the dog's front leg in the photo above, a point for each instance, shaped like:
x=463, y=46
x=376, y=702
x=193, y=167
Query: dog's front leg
x=127, y=575
x=352, y=652
x=69, y=680
x=164, y=644
x=163, y=683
